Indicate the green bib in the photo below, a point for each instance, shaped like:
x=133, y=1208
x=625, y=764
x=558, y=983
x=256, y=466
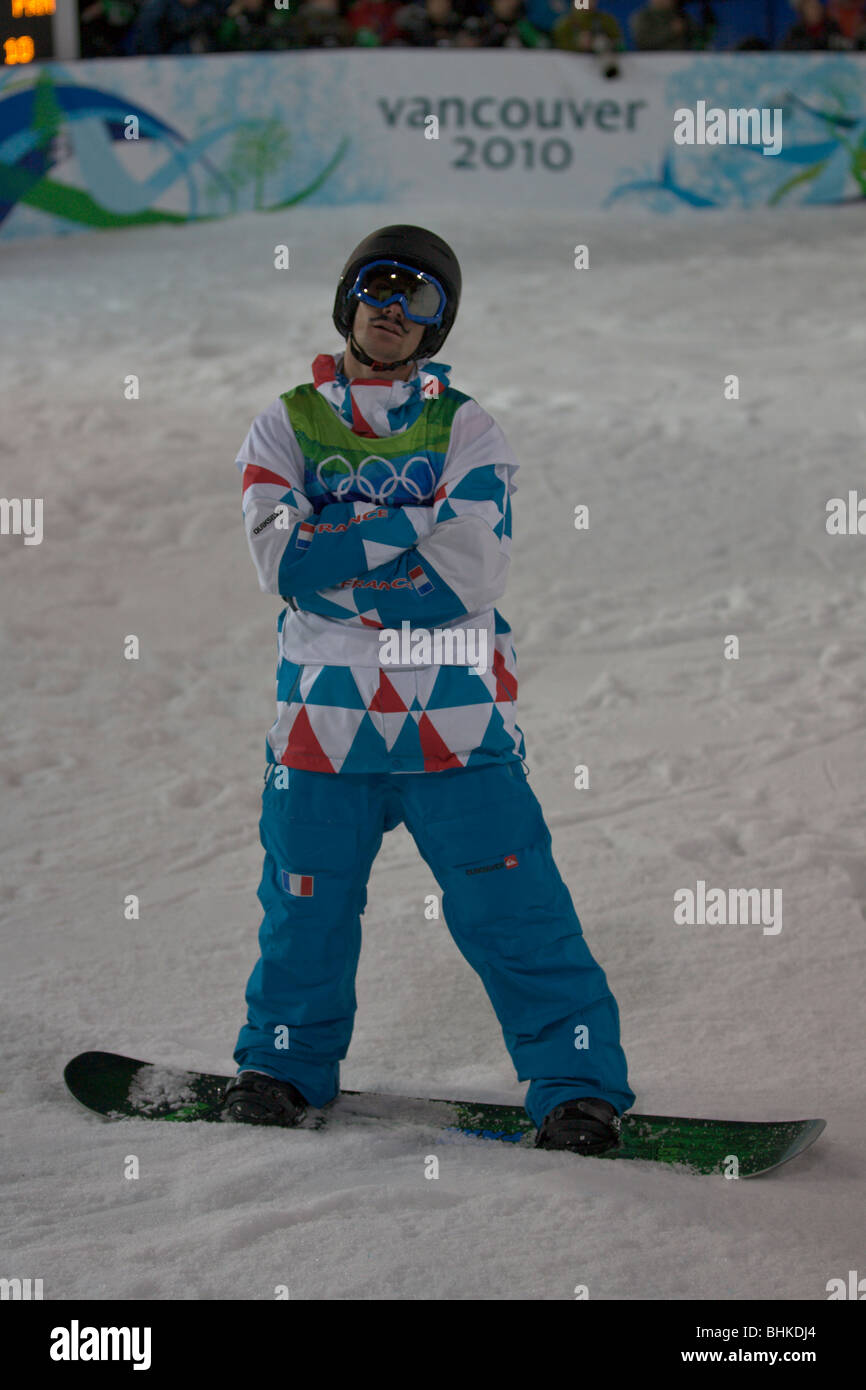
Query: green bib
x=395, y=470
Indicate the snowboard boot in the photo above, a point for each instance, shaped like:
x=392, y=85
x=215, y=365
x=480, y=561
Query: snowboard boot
x=584, y=1126
x=257, y=1099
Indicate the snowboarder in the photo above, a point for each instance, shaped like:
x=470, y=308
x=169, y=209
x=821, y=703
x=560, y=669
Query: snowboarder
x=377, y=504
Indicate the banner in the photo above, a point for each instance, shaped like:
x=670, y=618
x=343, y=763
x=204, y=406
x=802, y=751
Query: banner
x=125, y=142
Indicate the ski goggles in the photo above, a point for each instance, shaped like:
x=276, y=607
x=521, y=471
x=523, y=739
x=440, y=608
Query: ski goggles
x=419, y=295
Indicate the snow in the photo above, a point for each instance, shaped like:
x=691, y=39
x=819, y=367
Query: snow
x=118, y=777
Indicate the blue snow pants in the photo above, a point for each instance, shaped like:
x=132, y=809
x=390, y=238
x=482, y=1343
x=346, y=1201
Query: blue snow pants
x=482, y=832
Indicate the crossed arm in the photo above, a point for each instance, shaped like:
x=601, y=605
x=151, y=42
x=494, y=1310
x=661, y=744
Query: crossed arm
x=428, y=564
x=459, y=568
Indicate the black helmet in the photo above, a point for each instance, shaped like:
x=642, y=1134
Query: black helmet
x=422, y=250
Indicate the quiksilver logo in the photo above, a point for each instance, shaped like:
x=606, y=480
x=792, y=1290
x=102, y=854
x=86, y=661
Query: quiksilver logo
x=75, y=1343
x=509, y=862
x=267, y=521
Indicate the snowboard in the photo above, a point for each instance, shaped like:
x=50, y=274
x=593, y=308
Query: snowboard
x=123, y=1087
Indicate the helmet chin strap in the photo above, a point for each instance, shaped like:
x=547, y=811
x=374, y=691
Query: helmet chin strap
x=361, y=356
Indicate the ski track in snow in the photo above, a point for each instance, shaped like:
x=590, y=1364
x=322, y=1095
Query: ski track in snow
x=706, y=518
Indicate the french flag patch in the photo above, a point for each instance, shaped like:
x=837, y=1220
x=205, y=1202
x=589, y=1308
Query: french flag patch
x=306, y=531
x=420, y=582
x=299, y=885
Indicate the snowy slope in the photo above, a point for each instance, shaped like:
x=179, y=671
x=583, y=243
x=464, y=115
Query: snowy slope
x=117, y=777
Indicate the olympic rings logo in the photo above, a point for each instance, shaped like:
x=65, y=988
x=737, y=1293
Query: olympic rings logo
x=379, y=489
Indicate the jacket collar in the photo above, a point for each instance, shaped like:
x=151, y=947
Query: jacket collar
x=376, y=406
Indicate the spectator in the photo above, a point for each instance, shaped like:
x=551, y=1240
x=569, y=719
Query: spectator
x=107, y=28
x=660, y=25
x=435, y=24
x=587, y=31
x=319, y=24
x=506, y=26
x=253, y=26
x=409, y=20
x=373, y=22
x=178, y=26
x=543, y=14
x=850, y=15
x=471, y=32
x=704, y=30
x=814, y=29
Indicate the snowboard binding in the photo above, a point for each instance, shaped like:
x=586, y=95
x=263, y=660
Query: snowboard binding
x=256, y=1099
x=583, y=1126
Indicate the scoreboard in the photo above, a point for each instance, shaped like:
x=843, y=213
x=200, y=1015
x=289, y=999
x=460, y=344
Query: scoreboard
x=27, y=31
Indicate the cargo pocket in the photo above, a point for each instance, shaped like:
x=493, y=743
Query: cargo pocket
x=315, y=863
x=495, y=867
